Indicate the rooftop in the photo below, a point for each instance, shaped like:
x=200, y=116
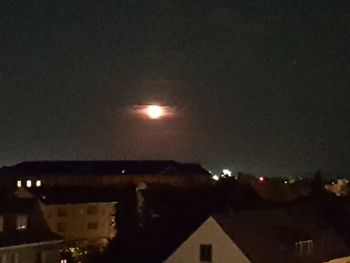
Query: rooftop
x=134, y=167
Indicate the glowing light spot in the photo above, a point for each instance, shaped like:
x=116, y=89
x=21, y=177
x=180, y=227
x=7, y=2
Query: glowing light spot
x=19, y=184
x=261, y=179
x=215, y=177
x=29, y=183
x=227, y=172
x=155, y=111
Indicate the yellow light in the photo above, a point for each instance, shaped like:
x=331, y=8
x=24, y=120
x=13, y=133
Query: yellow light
x=154, y=111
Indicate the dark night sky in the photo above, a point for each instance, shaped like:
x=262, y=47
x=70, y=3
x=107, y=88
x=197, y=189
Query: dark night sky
x=258, y=86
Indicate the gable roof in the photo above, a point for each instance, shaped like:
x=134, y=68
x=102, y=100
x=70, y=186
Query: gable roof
x=260, y=234
x=143, y=167
x=37, y=230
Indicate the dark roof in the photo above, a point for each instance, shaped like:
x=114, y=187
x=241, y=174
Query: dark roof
x=37, y=230
x=262, y=233
x=75, y=195
x=146, y=167
x=16, y=206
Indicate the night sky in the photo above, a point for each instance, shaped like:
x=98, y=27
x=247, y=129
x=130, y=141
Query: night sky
x=256, y=86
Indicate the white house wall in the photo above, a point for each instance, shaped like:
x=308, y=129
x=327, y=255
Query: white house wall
x=224, y=250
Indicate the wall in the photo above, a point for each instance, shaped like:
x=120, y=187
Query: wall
x=224, y=250
x=76, y=218
x=31, y=254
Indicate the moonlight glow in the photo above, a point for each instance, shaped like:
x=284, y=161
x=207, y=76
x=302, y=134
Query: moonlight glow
x=154, y=111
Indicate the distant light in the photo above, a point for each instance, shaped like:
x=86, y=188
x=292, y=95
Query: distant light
x=38, y=183
x=285, y=182
x=261, y=179
x=154, y=111
x=227, y=172
x=19, y=184
x=29, y=183
x=123, y=171
x=215, y=177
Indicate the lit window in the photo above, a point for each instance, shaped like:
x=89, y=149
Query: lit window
x=304, y=247
x=21, y=222
x=29, y=183
x=38, y=183
x=63, y=261
x=19, y=184
x=205, y=253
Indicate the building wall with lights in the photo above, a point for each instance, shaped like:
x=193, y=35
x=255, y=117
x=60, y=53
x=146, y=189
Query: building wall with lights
x=106, y=180
x=92, y=224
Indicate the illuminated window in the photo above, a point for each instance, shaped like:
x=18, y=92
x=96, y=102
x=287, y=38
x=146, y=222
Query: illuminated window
x=92, y=225
x=63, y=261
x=205, y=253
x=21, y=222
x=29, y=183
x=304, y=247
x=38, y=183
x=19, y=184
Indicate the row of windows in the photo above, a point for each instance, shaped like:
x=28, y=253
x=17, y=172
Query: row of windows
x=61, y=227
x=28, y=183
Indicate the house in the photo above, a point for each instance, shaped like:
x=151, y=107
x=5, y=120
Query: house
x=24, y=236
x=39, y=174
x=82, y=219
x=262, y=236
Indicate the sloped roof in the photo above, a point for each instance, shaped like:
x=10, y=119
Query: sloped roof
x=26, y=237
x=75, y=195
x=143, y=167
x=270, y=235
x=37, y=230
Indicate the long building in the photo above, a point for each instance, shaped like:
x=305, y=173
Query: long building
x=102, y=173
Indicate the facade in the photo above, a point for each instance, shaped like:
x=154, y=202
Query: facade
x=101, y=173
x=209, y=243
x=24, y=237
x=83, y=223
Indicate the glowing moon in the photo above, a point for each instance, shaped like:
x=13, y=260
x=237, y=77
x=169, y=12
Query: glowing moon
x=154, y=111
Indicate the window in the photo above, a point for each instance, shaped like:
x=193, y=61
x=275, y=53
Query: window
x=38, y=183
x=29, y=183
x=21, y=222
x=92, y=225
x=92, y=210
x=205, y=253
x=63, y=261
x=61, y=212
x=60, y=227
x=304, y=247
x=19, y=184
